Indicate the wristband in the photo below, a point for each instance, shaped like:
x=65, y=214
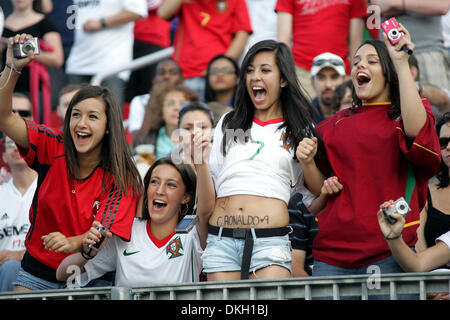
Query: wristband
x=86, y=255
x=393, y=238
x=103, y=23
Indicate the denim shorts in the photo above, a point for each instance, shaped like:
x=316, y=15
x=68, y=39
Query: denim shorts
x=225, y=253
x=32, y=282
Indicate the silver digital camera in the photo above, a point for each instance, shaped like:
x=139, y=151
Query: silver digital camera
x=399, y=206
x=103, y=231
x=20, y=50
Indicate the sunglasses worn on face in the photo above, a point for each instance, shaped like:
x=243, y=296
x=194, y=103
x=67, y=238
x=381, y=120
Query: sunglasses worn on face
x=23, y=113
x=224, y=70
x=334, y=62
x=444, y=142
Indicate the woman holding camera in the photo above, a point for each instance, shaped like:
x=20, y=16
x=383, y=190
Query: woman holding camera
x=426, y=260
x=384, y=147
x=174, y=258
x=85, y=173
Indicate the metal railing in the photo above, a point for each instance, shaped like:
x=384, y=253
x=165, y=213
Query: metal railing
x=133, y=65
x=364, y=287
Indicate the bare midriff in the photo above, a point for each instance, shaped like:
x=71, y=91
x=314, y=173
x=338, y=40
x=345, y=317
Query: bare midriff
x=247, y=211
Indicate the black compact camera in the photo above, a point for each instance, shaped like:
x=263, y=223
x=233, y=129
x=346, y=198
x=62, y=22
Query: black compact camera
x=20, y=50
x=103, y=231
x=186, y=224
x=399, y=206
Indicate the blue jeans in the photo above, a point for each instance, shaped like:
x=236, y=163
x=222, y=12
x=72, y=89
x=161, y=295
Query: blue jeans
x=386, y=265
x=225, y=254
x=32, y=282
x=8, y=274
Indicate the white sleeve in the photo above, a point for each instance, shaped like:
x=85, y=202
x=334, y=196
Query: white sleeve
x=445, y=238
x=137, y=6
x=137, y=112
x=103, y=262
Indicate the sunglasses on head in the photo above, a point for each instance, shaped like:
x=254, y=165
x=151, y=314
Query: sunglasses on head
x=334, y=62
x=444, y=142
x=23, y=113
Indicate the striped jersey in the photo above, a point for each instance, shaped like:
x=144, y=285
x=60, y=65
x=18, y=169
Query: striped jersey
x=63, y=204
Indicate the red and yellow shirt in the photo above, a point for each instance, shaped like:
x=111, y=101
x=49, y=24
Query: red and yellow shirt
x=369, y=153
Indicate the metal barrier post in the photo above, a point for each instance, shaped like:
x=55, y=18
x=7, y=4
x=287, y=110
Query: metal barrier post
x=120, y=293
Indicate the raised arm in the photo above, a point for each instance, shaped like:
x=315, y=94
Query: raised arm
x=206, y=195
x=11, y=124
x=412, y=109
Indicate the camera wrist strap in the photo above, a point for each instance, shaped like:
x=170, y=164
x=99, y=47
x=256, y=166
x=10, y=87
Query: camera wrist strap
x=410, y=183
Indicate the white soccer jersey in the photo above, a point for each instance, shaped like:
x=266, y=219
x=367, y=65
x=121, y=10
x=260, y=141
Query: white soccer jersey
x=264, y=166
x=145, y=260
x=14, y=213
x=105, y=49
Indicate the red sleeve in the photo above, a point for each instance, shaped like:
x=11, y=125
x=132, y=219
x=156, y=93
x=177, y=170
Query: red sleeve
x=424, y=151
x=116, y=212
x=45, y=145
x=358, y=9
x=241, y=21
x=285, y=6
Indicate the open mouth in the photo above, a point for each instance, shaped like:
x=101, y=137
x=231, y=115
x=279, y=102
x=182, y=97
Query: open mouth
x=259, y=93
x=83, y=136
x=158, y=204
x=362, y=79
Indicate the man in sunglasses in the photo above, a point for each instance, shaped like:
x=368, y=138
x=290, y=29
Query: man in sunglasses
x=327, y=73
x=21, y=106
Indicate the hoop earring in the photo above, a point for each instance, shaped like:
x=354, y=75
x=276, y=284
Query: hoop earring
x=185, y=210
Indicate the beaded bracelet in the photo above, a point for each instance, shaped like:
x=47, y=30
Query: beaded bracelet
x=13, y=69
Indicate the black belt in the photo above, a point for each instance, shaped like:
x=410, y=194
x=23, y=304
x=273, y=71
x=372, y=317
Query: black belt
x=246, y=234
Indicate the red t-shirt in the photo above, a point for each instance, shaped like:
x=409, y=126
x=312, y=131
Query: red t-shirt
x=369, y=153
x=153, y=29
x=206, y=29
x=321, y=26
x=64, y=205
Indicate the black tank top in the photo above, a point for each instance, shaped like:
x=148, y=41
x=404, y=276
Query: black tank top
x=437, y=223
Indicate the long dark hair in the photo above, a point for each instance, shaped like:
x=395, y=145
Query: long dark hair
x=442, y=174
x=296, y=108
x=116, y=155
x=190, y=183
x=390, y=75
x=210, y=94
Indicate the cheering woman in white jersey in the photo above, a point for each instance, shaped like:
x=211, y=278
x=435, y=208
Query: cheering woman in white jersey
x=155, y=254
x=255, y=169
